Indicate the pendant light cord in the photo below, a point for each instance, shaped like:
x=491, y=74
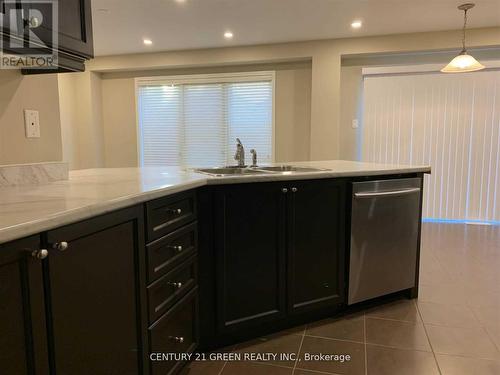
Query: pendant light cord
x=465, y=26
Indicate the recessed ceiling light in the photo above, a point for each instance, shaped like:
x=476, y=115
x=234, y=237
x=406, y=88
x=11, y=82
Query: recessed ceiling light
x=147, y=42
x=356, y=24
x=228, y=35
x=180, y=1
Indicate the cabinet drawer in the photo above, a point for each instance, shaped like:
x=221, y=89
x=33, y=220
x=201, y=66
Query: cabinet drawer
x=175, y=332
x=166, y=214
x=168, y=251
x=163, y=293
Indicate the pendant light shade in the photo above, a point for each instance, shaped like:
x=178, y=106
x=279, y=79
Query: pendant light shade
x=463, y=62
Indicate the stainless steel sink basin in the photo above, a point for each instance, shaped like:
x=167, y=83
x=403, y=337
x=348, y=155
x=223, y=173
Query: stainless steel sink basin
x=229, y=171
x=241, y=171
x=290, y=168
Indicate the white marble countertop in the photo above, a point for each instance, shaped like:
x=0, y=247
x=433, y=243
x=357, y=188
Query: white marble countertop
x=31, y=209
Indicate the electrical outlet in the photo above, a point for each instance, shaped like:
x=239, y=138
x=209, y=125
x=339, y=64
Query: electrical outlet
x=355, y=123
x=31, y=123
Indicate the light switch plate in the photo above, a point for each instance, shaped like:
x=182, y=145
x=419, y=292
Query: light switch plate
x=355, y=123
x=31, y=123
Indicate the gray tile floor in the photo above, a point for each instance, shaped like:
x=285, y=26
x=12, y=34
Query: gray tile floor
x=452, y=329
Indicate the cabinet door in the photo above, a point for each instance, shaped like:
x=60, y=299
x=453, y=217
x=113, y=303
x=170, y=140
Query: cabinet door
x=74, y=25
x=95, y=319
x=250, y=256
x=12, y=29
x=316, y=244
x=23, y=341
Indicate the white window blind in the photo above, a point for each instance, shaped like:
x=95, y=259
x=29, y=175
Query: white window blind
x=193, y=121
x=448, y=121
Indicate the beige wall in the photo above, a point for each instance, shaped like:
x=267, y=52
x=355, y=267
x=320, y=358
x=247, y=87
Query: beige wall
x=79, y=123
x=105, y=104
x=81, y=120
x=351, y=83
x=38, y=92
x=69, y=119
x=293, y=114
x=292, y=110
x=326, y=57
x=119, y=120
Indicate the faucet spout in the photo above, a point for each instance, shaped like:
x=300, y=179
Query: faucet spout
x=240, y=153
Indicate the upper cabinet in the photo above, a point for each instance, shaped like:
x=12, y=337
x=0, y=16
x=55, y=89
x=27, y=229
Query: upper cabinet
x=62, y=27
x=74, y=26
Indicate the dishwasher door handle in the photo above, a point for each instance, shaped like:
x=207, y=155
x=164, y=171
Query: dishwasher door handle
x=391, y=193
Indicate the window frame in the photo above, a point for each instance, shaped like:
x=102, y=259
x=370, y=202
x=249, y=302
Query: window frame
x=236, y=77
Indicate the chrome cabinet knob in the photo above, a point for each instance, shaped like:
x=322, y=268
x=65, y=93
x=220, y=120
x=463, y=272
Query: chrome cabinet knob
x=294, y=190
x=61, y=246
x=176, y=285
x=178, y=248
x=284, y=190
x=40, y=254
x=178, y=339
x=176, y=211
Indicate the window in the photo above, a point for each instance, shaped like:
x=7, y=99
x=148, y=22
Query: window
x=451, y=122
x=193, y=121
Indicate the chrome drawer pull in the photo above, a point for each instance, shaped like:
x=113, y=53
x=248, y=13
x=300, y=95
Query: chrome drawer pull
x=176, y=211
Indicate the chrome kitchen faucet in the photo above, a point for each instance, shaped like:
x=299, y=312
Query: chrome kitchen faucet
x=240, y=153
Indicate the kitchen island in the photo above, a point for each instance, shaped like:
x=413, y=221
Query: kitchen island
x=134, y=261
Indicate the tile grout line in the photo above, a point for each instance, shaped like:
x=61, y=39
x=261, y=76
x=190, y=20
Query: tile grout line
x=366, y=348
x=222, y=369
x=427, y=335
x=391, y=319
x=485, y=329
x=334, y=339
x=300, y=348
x=321, y=372
x=372, y=344
x=233, y=347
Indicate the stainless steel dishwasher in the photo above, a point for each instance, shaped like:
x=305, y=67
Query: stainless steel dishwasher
x=384, y=237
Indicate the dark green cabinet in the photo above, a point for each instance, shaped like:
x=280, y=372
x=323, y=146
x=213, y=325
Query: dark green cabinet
x=250, y=254
x=316, y=249
x=279, y=251
x=93, y=275
x=23, y=344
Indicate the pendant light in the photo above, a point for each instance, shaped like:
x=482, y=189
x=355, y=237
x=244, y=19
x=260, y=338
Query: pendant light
x=463, y=62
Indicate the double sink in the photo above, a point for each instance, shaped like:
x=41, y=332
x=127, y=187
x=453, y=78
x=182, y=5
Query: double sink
x=236, y=170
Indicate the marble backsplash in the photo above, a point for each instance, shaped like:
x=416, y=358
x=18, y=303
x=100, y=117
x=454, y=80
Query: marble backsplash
x=30, y=174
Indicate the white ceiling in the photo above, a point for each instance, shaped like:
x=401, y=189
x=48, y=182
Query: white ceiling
x=121, y=25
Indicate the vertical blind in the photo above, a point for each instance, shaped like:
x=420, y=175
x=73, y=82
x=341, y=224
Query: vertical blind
x=451, y=122
x=194, y=121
